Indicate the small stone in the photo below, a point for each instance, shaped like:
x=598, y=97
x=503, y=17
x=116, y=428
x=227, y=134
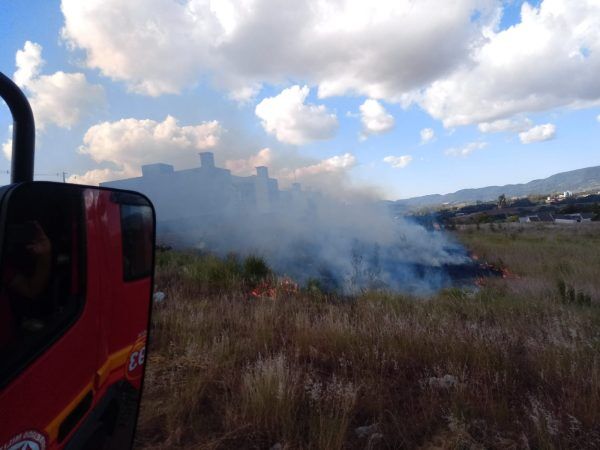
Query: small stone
x=159, y=297
x=366, y=430
x=449, y=381
x=446, y=382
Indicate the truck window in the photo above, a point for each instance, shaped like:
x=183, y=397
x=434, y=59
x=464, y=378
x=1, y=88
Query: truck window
x=136, y=229
x=41, y=272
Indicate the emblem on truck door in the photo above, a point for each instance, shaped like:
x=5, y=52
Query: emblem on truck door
x=28, y=440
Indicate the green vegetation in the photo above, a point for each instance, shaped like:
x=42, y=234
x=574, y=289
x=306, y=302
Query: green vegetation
x=206, y=274
x=502, y=203
x=515, y=364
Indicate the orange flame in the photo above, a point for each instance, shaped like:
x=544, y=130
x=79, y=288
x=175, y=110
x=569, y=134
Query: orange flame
x=273, y=289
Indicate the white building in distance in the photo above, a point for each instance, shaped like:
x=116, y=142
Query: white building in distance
x=208, y=195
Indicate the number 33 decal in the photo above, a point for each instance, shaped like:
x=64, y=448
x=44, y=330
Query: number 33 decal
x=136, y=359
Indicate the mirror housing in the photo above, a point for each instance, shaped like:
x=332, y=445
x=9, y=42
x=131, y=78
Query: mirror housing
x=76, y=280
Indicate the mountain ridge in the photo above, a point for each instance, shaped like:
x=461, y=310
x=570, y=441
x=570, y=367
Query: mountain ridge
x=577, y=180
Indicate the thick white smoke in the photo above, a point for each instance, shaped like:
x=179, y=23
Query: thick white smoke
x=346, y=247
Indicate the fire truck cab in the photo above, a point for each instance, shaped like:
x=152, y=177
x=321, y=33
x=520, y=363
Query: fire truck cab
x=76, y=278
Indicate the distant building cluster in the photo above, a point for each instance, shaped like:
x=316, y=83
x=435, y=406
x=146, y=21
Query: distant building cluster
x=558, y=197
x=557, y=218
x=208, y=193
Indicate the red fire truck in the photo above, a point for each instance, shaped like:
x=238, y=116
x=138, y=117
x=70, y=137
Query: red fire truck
x=76, y=277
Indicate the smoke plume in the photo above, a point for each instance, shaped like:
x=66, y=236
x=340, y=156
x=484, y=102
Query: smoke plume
x=343, y=246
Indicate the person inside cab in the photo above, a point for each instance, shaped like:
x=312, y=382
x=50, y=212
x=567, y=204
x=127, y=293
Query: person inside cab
x=25, y=276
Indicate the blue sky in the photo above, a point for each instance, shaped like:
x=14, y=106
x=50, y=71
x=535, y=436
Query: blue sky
x=473, y=65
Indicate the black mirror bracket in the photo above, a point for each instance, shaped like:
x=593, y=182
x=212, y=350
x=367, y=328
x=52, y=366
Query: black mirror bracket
x=23, y=144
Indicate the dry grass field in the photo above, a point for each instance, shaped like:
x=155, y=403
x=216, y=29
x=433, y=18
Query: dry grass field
x=512, y=364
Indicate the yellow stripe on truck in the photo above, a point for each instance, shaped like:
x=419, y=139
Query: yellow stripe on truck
x=113, y=361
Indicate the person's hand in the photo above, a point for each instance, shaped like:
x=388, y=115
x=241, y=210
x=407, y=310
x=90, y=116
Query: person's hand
x=40, y=245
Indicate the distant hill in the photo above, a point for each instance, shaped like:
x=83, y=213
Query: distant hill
x=574, y=180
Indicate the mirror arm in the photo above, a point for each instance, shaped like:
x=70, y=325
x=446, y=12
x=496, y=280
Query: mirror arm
x=23, y=143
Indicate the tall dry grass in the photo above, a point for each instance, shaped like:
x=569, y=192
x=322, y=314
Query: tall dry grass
x=512, y=365
x=546, y=255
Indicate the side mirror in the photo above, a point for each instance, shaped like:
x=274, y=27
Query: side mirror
x=76, y=277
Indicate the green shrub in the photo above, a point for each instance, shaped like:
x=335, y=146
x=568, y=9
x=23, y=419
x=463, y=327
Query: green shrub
x=255, y=270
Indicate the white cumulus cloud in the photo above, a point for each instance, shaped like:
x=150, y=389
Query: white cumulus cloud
x=465, y=150
x=96, y=176
x=398, y=162
x=129, y=143
x=451, y=58
x=291, y=120
x=61, y=99
x=329, y=175
x=427, y=135
x=538, y=133
x=156, y=46
x=29, y=62
x=7, y=144
x=379, y=49
x=7, y=149
x=247, y=166
x=334, y=164
x=501, y=125
x=375, y=119
x=549, y=59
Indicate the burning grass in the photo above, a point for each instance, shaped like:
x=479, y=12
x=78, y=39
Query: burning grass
x=510, y=365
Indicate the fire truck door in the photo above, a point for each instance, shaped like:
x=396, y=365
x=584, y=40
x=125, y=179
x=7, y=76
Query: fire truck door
x=128, y=243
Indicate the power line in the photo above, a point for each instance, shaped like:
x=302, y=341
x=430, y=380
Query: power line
x=62, y=174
